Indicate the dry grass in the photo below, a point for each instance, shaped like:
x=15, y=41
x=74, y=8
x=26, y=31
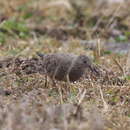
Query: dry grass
x=93, y=103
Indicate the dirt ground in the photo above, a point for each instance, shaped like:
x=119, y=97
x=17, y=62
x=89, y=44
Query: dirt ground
x=100, y=30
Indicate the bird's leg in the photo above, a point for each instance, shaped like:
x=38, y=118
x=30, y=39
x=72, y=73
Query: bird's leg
x=53, y=79
x=54, y=83
x=68, y=81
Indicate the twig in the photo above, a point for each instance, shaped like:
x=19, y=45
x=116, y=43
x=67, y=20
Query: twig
x=128, y=61
x=104, y=102
x=119, y=65
x=99, y=47
x=113, y=17
x=82, y=97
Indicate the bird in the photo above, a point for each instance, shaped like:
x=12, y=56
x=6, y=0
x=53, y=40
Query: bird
x=64, y=66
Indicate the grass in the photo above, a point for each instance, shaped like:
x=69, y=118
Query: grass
x=93, y=103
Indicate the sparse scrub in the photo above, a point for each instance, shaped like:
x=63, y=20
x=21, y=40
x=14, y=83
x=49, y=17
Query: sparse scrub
x=96, y=101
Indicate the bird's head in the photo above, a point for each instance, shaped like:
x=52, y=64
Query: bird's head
x=84, y=61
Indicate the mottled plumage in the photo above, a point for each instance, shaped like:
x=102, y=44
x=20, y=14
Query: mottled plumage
x=59, y=65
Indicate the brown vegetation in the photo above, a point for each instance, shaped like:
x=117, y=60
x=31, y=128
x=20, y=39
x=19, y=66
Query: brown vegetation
x=96, y=101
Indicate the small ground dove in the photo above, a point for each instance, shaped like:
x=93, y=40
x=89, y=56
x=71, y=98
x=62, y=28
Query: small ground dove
x=60, y=65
